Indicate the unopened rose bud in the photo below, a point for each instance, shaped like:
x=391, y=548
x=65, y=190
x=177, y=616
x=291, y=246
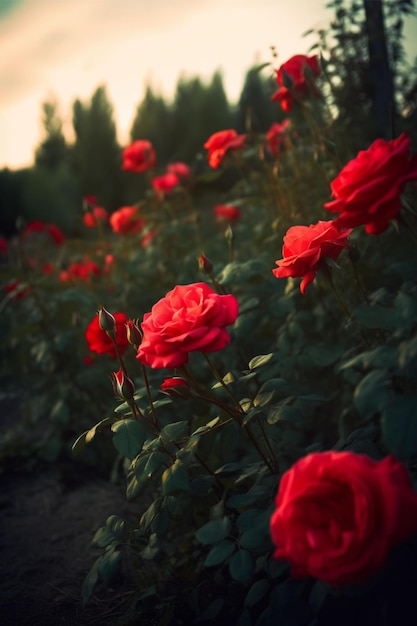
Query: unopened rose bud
x=229, y=234
x=176, y=387
x=205, y=264
x=123, y=385
x=106, y=320
x=134, y=333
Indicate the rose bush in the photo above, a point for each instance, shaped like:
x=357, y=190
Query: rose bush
x=127, y=221
x=165, y=183
x=97, y=214
x=367, y=190
x=99, y=341
x=222, y=142
x=338, y=514
x=295, y=68
x=305, y=247
x=189, y=318
x=139, y=156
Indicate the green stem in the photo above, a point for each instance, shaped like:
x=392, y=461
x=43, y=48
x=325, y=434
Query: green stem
x=148, y=393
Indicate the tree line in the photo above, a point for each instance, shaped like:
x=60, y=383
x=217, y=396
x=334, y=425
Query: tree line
x=373, y=89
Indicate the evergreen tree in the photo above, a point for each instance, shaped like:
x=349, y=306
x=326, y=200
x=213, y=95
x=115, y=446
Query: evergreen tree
x=152, y=122
x=53, y=151
x=255, y=111
x=97, y=155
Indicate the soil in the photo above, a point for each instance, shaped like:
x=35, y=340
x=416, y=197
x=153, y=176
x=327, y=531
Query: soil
x=45, y=547
x=48, y=517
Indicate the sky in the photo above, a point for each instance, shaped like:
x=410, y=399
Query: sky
x=65, y=49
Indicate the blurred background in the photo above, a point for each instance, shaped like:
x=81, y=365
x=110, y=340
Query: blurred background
x=79, y=79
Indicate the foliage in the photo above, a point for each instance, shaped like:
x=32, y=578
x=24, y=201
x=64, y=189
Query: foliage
x=333, y=368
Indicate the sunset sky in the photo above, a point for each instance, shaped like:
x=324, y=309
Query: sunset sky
x=64, y=49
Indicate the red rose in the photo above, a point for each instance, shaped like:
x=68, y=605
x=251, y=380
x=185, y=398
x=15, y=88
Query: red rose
x=127, y=221
x=181, y=170
x=295, y=69
x=53, y=231
x=368, y=188
x=227, y=212
x=92, y=218
x=83, y=270
x=220, y=143
x=305, y=247
x=165, y=183
x=338, y=514
x=139, y=157
x=99, y=341
x=189, y=318
x=275, y=136
x=176, y=387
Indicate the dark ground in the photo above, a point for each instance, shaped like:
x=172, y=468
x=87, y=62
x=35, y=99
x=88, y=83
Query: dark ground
x=45, y=552
x=48, y=517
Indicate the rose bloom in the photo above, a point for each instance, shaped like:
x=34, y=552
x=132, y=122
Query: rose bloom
x=276, y=135
x=83, y=270
x=139, y=156
x=53, y=231
x=189, y=318
x=97, y=214
x=306, y=246
x=227, y=212
x=368, y=188
x=126, y=221
x=99, y=341
x=301, y=88
x=181, y=170
x=338, y=514
x=220, y=143
x=165, y=183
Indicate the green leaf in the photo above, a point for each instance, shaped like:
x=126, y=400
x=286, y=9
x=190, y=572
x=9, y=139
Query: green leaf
x=260, y=360
x=80, y=443
x=214, y=531
x=201, y=485
x=227, y=379
x=284, y=412
x=109, y=565
x=241, y=567
x=60, y=413
x=399, y=426
x=129, y=437
x=93, y=431
x=150, y=514
x=372, y=393
x=254, y=540
x=89, y=582
x=242, y=500
x=204, y=429
x=110, y=533
x=262, y=399
x=256, y=592
x=220, y=553
x=152, y=549
x=378, y=317
x=174, y=432
x=175, y=479
x=228, y=470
